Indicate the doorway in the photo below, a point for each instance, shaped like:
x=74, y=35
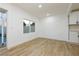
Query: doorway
x=3, y=21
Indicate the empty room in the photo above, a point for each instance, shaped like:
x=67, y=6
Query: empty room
x=39, y=29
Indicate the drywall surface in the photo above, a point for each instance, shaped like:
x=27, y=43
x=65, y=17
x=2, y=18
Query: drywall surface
x=15, y=16
x=54, y=27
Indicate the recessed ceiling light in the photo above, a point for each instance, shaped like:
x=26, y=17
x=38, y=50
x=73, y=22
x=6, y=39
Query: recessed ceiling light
x=40, y=6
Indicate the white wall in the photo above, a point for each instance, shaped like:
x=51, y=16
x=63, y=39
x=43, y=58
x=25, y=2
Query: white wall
x=54, y=27
x=15, y=18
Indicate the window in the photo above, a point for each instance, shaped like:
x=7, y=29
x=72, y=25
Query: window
x=28, y=26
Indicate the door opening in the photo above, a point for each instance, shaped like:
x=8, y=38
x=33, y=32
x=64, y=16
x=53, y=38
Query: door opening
x=3, y=27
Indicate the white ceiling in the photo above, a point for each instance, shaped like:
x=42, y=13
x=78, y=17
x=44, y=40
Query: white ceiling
x=52, y=8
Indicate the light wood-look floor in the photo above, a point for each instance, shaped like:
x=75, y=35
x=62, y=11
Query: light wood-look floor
x=42, y=47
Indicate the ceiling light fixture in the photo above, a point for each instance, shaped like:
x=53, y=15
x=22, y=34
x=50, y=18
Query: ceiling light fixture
x=40, y=6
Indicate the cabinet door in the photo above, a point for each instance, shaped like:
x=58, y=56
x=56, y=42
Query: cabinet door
x=74, y=37
x=73, y=18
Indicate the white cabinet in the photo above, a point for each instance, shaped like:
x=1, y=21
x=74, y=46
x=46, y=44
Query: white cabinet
x=74, y=37
x=74, y=27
